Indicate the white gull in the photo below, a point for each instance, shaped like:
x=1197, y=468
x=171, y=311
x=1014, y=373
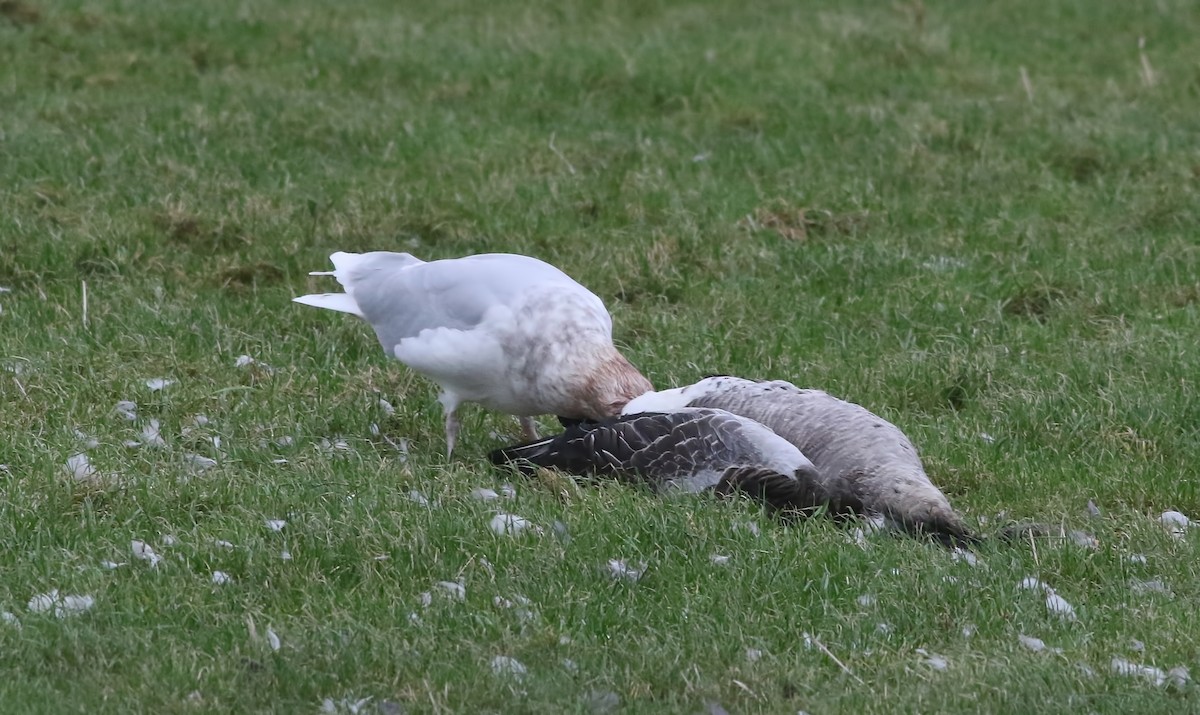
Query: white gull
x=509, y=332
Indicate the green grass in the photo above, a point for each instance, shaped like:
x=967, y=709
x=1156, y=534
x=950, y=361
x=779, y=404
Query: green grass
x=856, y=196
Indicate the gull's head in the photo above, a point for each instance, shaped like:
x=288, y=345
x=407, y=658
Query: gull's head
x=612, y=387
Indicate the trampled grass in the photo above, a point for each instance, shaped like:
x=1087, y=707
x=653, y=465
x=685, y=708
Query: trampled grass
x=979, y=220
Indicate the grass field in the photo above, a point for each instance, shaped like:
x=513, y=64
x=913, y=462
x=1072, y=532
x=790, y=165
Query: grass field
x=978, y=219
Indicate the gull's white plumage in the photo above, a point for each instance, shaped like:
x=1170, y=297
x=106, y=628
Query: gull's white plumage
x=510, y=332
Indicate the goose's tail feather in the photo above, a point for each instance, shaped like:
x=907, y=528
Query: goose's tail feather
x=525, y=457
x=780, y=492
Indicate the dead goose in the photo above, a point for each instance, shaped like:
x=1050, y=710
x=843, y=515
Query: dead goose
x=687, y=449
x=509, y=332
x=862, y=453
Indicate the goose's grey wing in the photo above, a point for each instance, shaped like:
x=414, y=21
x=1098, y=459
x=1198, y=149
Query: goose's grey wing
x=690, y=449
x=401, y=299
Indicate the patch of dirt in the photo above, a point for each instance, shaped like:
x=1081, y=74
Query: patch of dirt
x=801, y=223
x=250, y=274
x=1183, y=297
x=193, y=231
x=20, y=13
x=1035, y=303
x=1079, y=165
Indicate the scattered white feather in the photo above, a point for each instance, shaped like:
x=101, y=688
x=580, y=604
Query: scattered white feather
x=1092, y=509
x=126, y=409
x=884, y=628
x=570, y=666
x=285, y=441
x=1176, y=522
x=151, y=437
x=1137, y=646
x=511, y=525
x=1150, y=586
x=1137, y=558
x=243, y=361
x=753, y=655
x=1179, y=676
x=967, y=557
x=285, y=555
x=484, y=494
x=619, y=569
x=9, y=619
x=337, y=448
x=43, y=602
x=141, y=550
x=1120, y=666
x=426, y=598
x=85, y=439
x=933, y=660
x=749, y=526
x=1037, y=645
x=456, y=590
x=73, y=605
x=199, y=462
x=223, y=544
x=158, y=383
x=866, y=600
x=503, y=665
x=221, y=578
x=111, y=565
x=80, y=467
x=719, y=559
x=386, y=406
x=276, y=524
x=169, y=540
x=1085, y=670
x=508, y=491
x=968, y=630
x=273, y=639
x=1032, y=583
x=418, y=498
x=1084, y=540
x=1059, y=606
x=987, y=437
x=69, y=605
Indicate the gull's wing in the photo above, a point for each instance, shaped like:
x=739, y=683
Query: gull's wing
x=401, y=299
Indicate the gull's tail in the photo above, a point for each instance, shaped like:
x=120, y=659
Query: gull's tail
x=348, y=268
x=341, y=302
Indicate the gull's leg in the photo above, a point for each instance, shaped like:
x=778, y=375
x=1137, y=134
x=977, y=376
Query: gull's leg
x=529, y=428
x=451, y=431
x=450, y=406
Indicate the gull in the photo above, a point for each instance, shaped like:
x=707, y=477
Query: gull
x=511, y=333
x=852, y=448
x=689, y=450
